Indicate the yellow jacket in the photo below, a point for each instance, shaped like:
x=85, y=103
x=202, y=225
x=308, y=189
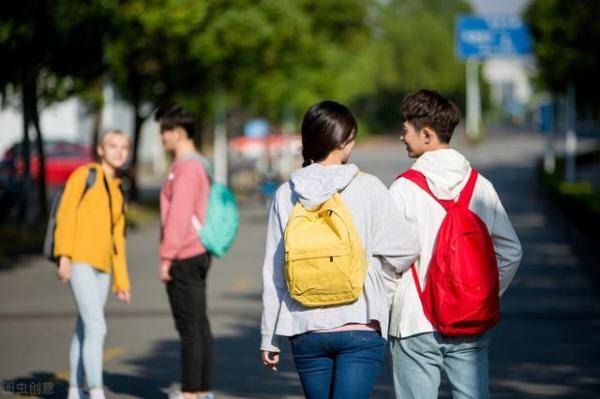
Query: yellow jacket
x=83, y=229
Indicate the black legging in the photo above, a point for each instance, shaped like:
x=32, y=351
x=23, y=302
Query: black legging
x=187, y=296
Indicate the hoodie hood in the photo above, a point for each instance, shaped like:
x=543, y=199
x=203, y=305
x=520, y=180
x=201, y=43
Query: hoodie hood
x=316, y=184
x=447, y=172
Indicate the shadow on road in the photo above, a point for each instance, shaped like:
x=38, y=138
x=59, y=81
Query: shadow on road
x=547, y=343
x=238, y=371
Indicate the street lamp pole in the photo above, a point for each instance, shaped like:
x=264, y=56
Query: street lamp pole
x=473, y=99
x=571, y=136
x=220, y=140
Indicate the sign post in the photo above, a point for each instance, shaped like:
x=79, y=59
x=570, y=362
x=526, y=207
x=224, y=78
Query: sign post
x=545, y=122
x=571, y=136
x=473, y=100
x=479, y=37
x=220, y=140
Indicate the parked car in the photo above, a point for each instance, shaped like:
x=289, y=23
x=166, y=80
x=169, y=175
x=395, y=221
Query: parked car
x=62, y=158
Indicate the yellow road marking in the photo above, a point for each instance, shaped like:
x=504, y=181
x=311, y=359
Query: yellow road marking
x=240, y=285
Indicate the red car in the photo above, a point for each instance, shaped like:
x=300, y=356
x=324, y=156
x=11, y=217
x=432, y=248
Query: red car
x=62, y=158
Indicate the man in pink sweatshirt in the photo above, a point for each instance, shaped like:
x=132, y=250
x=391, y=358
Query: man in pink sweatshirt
x=184, y=262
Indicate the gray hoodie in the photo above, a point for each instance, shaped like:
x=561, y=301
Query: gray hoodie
x=387, y=238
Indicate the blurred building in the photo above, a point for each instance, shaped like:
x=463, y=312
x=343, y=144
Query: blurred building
x=510, y=87
x=509, y=78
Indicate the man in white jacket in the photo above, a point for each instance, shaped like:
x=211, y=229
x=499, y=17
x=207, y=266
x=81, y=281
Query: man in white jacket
x=419, y=352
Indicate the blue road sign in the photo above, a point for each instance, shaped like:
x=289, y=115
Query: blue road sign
x=491, y=36
x=256, y=128
x=545, y=117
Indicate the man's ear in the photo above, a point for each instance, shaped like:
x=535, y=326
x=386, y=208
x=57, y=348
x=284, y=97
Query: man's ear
x=100, y=151
x=427, y=135
x=180, y=133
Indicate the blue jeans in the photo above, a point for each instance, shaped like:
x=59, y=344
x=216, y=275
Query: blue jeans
x=90, y=289
x=418, y=361
x=338, y=365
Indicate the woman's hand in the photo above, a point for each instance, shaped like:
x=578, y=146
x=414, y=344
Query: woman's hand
x=124, y=296
x=270, y=359
x=64, y=269
x=163, y=271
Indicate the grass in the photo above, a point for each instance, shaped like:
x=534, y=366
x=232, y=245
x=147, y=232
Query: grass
x=579, y=201
x=141, y=214
x=19, y=239
x=582, y=192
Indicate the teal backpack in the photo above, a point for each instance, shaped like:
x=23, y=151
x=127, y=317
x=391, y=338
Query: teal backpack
x=222, y=217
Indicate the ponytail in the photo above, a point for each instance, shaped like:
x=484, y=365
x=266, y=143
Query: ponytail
x=326, y=126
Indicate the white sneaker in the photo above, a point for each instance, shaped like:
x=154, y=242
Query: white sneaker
x=76, y=392
x=97, y=393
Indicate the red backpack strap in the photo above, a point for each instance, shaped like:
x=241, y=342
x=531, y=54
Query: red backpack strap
x=415, y=275
x=466, y=194
x=419, y=179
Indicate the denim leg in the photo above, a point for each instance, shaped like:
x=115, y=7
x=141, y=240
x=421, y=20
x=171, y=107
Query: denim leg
x=417, y=363
x=314, y=364
x=466, y=365
x=90, y=289
x=358, y=359
x=76, y=356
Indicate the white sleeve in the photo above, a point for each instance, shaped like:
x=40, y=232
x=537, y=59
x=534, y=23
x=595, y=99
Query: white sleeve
x=395, y=236
x=506, y=244
x=274, y=286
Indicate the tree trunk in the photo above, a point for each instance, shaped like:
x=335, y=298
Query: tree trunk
x=96, y=131
x=24, y=156
x=138, y=120
x=42, y=189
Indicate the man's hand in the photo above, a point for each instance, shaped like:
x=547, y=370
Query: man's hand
x=163, y=271
x=64, y=269
x=270, y=360
x=124, y=296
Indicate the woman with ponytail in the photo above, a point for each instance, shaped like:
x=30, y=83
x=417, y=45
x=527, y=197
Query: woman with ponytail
x=338, y=350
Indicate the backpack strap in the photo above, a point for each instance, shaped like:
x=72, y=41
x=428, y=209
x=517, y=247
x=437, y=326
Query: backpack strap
x=123, y=208
x=466, y=194
x=415, y=275
x=208, y=169
x=89, y=182
x=464, y=198
x=110, y=210
x=419, y=179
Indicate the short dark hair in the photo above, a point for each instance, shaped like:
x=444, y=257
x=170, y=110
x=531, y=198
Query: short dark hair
x=428, y=108
x=326, y=126
x=171, y=116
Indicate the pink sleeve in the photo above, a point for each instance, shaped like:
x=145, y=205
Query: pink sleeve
x=189, y=191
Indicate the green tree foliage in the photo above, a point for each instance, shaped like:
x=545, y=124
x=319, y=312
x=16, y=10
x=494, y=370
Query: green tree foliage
x=411, y=47
x=566, y=41
x=265, y=57
x=46, y=46
x=297, y=49
x=262, y=56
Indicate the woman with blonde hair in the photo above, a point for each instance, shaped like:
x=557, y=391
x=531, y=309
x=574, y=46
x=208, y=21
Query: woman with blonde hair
x=89, y=243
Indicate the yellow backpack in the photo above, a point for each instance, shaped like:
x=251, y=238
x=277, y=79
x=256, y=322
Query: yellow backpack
x=325, y=263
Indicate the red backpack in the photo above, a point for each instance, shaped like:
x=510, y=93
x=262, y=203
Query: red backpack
x=461, y=295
